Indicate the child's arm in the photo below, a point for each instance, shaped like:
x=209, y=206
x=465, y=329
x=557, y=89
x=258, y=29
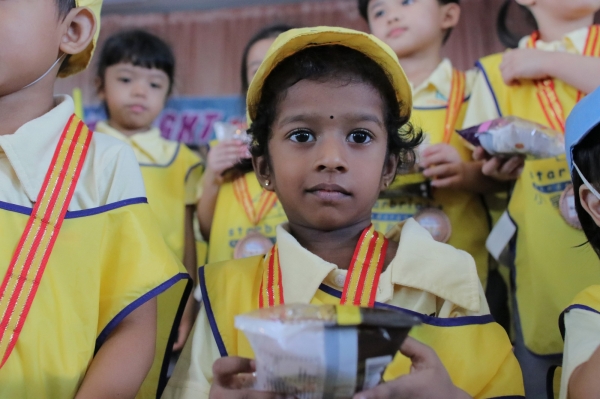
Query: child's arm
x=190, y=263
x=428, y=378
x=121, y=364
x=579, y=71
x=444, y=165
x=584, y=382
x=223, y=156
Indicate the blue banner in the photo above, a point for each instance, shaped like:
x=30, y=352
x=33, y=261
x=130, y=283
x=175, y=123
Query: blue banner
x=187, y=119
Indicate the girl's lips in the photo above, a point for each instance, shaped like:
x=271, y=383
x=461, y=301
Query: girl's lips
x=137, y=108
x=329, y=192
x=396, y=32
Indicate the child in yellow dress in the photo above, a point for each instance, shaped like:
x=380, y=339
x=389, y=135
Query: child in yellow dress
x=82, y=259
x=327, y=106
x=236, y=215
x=542, y=80
x=135, y=78
x=454, y=211
x=580, y=323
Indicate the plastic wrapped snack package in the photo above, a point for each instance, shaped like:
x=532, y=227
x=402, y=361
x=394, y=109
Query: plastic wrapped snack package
x=511, y=136
x=228, y=131
x=327, y=351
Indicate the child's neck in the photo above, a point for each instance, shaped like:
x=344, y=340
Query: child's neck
x=553, y=29
x=125, y=130
x=18, y=108
x=420, y=65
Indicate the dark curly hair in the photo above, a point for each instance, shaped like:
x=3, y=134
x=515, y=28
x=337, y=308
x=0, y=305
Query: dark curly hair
x=363, y=10
x=585, y=156
x=506, y=36
x=333, y=63
x=64, y=6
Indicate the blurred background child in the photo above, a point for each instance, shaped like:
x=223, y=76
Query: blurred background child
x=136, y=75
x=541, y=81
x=237, y=216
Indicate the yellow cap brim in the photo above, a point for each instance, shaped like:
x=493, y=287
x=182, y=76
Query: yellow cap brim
x=78, y=62
x=295, y=40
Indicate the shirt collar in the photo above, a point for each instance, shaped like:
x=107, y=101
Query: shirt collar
x=440, y=79
x=573, y=42
x=149, y=147
x=416, y=265
x=31, y=148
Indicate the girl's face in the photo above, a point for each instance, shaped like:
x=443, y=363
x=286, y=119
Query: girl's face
x=256, y=55
x=328, y=154
x=135, y=96
x=564, y=9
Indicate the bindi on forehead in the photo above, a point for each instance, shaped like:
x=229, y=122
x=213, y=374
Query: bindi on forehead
x=331, y=117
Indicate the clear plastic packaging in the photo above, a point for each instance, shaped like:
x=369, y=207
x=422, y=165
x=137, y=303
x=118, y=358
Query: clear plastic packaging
x=511, y=136
x=229, y=131
x=327, y=351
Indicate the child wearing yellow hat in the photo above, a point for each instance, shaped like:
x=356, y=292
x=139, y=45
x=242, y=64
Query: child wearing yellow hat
x=83, y=260
x=327, y=106
x=453, y=209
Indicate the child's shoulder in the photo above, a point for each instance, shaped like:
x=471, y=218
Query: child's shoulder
x=440, y=269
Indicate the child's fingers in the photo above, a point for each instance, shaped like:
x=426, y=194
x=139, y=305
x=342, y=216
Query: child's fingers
x=434, y=159
x=226, y=368
x=420, y=354
x=448, y=182
x=510, y=167
x=440, y=171
x=490, y=168
x=479, y=154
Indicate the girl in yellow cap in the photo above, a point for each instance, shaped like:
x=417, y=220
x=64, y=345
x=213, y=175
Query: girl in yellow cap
x=82, y=260
x=327, y=106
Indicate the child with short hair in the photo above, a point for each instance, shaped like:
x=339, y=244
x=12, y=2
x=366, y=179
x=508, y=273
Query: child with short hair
x=454, y=211
x=136, y=75
x=327, y=106
x=580, y=322
x=82, y=260
x=541, y=81
x=236, y=215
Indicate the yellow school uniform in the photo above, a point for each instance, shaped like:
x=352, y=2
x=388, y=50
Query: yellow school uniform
x=231, y=222
x=580, y=323
x=425, y=278
x=171, y=172
x=466, y=211
x=108, y=259
x=544, y=245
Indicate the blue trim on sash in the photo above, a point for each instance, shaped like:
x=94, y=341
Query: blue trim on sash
x=209, y=313
x=434, y=321
x=467, y=98
x=152, y=165
x=78, y=214
x=189, y=172
x=136, y=304
x=582, y=307
x=487, y=79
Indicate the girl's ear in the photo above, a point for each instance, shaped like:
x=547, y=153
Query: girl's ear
x=450, y=15
x=389, y=171
x=263, y=172
x=79, y=28
x=590, y=203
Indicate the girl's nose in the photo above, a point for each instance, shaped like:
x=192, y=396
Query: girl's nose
x=331, y=155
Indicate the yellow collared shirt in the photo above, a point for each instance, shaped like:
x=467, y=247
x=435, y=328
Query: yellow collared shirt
x=425, y=276
x=482, y=106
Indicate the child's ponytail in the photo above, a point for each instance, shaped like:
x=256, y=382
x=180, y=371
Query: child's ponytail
x=508, y=38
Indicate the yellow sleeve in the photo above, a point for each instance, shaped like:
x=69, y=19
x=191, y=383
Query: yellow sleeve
x=482, y=105
x=582, y=338
x=192, y=376
x=195, y=169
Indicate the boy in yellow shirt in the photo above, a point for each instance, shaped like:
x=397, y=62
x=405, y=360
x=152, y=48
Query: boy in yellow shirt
x=326, y=107
x=136, y=74
x=82, y=260
x=454, y=211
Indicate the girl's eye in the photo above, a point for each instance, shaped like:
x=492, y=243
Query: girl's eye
x=378, y=13
x=407, y=2
x=156, y=85
x=124, y=80
x=302, y=136
x=360, y=137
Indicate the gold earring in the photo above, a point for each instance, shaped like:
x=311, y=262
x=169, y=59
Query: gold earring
x=267, y=183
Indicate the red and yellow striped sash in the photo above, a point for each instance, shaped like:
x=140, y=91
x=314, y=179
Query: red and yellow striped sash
x=31, y=256
x=362, y=280
x=546, y=90
x=265, y=203
x=455, y=102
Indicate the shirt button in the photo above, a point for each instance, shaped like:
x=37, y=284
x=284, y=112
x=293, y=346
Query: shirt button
x=339, y=280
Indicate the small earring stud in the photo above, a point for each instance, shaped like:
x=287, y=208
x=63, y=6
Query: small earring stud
x=267, y=183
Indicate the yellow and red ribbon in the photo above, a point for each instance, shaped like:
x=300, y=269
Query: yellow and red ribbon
x=362, y=280
x=27, y=266
x=455, y=102
x=546, y=90
x=255, y=213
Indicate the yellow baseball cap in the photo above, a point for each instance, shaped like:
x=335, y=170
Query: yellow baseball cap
x=78, y=62
x=295, y=40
